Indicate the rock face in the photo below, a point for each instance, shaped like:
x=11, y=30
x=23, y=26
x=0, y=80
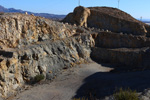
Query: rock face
x=18, y=29
x=31, y=46
x=115, y=40
x=129, y=57
x=109, y=19
x=79, y=16
x=45, y=58
x=129, y=51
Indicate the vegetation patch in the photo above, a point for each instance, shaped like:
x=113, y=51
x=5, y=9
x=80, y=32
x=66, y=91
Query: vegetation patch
x=38, y=78
x=126, y=94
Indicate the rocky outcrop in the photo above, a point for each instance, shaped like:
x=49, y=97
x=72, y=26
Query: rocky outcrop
x=109, y=19
x=46, y=58
x=127, y=33
x=122, y=50
x=20, y=29
x=79, y=16
x=31, y=46
x=123, y=57
x=115, y=40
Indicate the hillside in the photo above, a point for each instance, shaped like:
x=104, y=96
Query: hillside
x=114, y=12
x=107, y=18
x=32, y=47
x=46, y=15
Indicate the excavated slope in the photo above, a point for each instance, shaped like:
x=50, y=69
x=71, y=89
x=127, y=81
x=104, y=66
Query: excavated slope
x=107, y=18
x=32, y=46
x=115, y=13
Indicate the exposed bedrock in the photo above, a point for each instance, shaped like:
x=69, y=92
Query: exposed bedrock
x=31, y=46
x=107, y=18
x=79, y=16
x=46, y=58
x=128, y=51
x=128, y=58
x=115, y=40
x=19, y=30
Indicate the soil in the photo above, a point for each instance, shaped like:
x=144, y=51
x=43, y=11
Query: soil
x=115, y=13
x=93, y=78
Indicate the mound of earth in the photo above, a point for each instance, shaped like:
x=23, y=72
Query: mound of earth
x=107, y=18
x=114, y=12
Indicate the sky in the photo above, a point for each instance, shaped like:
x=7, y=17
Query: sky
x=136, y=8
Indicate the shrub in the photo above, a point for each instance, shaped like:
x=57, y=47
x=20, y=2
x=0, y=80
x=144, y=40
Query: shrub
x=38, y=78
x=126, y=94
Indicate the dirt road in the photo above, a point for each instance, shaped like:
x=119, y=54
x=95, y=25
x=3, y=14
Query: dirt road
x=86, y=78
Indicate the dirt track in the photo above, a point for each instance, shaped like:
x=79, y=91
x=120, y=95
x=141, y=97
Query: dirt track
x=79, y=81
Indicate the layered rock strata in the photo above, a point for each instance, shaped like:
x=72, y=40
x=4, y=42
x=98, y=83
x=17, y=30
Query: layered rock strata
x=107, y=18
x=31, y=46
x=124, y=50
x=20, y=30
x=47, y=58
x=129, y=58
x=115, y=40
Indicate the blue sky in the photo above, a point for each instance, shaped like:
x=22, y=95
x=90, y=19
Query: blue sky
x=136, y=8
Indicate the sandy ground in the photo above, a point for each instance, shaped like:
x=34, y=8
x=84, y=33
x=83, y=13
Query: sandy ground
x=91, y=78
x=64, y=87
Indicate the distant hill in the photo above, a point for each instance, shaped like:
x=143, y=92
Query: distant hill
x=46, y=15
x=146, y=21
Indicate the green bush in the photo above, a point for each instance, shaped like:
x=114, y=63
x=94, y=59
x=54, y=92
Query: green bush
x=126, y=94
x=38, y=78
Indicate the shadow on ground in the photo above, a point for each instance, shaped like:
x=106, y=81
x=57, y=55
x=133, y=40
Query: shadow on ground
x=103, y=84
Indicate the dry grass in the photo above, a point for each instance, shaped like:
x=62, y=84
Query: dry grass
x=126, y=94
